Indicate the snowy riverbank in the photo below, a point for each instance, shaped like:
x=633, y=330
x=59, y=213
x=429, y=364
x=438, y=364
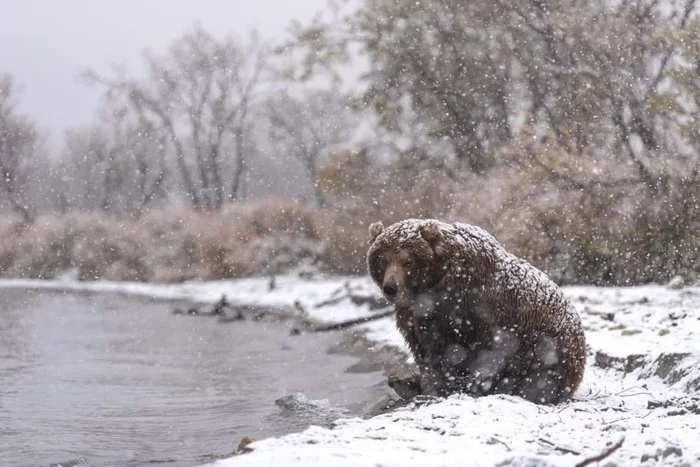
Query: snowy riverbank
x=642, y=384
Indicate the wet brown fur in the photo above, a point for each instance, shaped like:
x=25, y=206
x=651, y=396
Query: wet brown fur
x=469, y=321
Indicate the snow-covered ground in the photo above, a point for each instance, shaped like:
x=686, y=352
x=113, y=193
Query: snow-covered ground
x=642, y=385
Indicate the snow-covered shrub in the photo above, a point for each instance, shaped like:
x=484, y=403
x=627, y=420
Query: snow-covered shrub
x=583, y=220
x=268, y=236
x=360, y=194
x=570, y=223
x=106, y=247
x=39, y=249
x=172, y=251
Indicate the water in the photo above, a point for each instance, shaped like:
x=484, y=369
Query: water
x=121, y=381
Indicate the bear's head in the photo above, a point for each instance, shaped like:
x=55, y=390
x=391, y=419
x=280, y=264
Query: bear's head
x=405, y=259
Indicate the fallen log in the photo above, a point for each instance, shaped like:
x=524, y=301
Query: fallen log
x=312, y=327
x=223, y=309
x=599, y=457
x=374, y=303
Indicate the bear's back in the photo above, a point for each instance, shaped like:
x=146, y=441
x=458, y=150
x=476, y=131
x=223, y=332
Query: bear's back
x=519, y=284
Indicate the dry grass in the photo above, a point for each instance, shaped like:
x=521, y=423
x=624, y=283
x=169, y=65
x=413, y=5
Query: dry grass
x=172, y=245
x=603, y=234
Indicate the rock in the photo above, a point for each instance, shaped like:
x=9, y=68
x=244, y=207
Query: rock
x=671, y=367
x=626, y=364
x=676, y=283
x=672, y=451
x=667, y=366
x=694, y=385
x=243, y=445
x=80, y=462
x=405, y=387
x=657, y=404
x=678, y=404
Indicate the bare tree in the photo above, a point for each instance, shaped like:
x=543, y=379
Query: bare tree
x=90, y=170
x=199, y=95
x=115, y=165
x=594, y=72
x=18, y=145
x=306, y=127
x=681, y=101
x=476, y=73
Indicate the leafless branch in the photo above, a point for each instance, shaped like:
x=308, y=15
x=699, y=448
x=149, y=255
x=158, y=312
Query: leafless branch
x=558, y=448
x=599, y=457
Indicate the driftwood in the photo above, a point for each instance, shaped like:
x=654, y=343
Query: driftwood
x=311, y=326
x=227, y=312
x=563, y=449
x=374, y=302
x=352, y=322
x=222, y=309
x=188, y=311
x=589, y=460
x=599, y=457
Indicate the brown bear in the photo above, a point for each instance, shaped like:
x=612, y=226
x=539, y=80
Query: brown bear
x=477, y=319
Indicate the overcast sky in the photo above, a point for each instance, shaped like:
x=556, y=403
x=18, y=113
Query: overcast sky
x=45, y=44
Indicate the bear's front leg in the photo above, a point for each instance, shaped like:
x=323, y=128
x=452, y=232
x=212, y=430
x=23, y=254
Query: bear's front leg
x=432, y=381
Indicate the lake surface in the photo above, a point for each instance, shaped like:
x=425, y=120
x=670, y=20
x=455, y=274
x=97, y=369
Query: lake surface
x=121, y=381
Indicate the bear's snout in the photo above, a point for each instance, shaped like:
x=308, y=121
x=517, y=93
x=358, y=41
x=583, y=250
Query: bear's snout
x=394, y=281
x=390, y=289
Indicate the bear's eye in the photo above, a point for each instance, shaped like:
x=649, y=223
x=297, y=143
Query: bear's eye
x=379, y=264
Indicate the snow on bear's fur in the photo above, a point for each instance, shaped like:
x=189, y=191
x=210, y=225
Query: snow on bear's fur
x=477, y=319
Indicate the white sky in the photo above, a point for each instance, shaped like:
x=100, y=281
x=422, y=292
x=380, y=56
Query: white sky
x=45, y=44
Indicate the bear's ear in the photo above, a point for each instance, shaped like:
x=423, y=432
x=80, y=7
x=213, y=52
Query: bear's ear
x=431, y=233
x=375, y=230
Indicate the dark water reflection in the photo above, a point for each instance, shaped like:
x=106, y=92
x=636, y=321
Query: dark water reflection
x=121, y=381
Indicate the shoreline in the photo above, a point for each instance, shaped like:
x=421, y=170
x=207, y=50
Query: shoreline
x=355, y=397
x=642, y=384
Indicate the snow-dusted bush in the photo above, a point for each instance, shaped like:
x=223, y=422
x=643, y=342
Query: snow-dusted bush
x=583, y=220
x=577, y=217
x=575, y=228
x=170, y=245
x=41, y=249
